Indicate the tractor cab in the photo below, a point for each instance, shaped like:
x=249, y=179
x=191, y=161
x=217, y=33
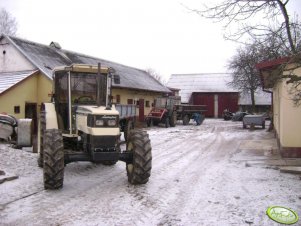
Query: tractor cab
x=78, y=87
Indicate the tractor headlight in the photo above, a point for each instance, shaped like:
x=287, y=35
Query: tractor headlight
x=99, y=122
x=112, y=122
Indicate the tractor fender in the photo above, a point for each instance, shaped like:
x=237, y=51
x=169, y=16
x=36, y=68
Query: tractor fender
x=50, y=115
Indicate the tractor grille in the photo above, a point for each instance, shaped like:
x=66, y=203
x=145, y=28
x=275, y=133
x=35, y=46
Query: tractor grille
x=102, y=143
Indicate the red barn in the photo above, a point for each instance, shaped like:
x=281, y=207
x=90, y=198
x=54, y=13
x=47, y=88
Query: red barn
x=209, y=89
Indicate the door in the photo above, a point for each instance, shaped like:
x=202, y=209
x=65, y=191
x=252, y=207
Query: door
x=205, y=99
x=227, y=101
x=141, y=110
x=31, y=112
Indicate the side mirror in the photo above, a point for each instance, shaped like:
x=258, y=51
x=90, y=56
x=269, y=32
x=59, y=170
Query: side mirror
x=116, y=79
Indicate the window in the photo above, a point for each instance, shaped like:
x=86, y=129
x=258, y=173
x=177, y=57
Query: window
x=130, y=101
x=147, y=104
x=118, y=99
x=17, y=109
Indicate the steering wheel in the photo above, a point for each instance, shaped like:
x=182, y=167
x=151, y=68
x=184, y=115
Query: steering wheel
x=84, y=99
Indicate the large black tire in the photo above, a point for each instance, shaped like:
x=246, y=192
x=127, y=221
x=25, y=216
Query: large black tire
x=53, y=159
x=149, y=122
x=173, y=119
x=186, y=120
x=139, y=170
x=167, y=122
x=42, y=131
x=127, y=129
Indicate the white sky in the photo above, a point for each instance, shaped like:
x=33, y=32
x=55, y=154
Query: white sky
x=157, y=34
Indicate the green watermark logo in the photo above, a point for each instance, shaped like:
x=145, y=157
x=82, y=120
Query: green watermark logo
x=282, y=215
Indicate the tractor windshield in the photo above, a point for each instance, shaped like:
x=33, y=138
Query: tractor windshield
x=83, y=88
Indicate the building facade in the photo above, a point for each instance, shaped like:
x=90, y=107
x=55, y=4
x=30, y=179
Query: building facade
x=286, y=115
x=26, y=78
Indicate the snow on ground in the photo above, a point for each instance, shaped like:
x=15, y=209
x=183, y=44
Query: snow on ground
x=199, y=177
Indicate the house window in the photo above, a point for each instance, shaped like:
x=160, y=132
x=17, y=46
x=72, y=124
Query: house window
x=17, y=109
x=118, y=99
x=130, y=101
x=137, y=103
x=147, y=104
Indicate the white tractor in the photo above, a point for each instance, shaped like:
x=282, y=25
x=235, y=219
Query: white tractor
x=81, y=124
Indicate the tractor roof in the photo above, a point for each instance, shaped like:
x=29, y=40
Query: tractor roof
x=84, y=68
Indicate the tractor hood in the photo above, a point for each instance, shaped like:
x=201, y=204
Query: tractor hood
x=94, y=110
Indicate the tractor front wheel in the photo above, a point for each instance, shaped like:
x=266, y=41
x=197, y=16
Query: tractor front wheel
x=139, y=170
x=41, y=137
x=128, y=127
x=53, y=167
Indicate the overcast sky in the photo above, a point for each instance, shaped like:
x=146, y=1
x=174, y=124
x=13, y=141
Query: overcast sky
x=158, y=34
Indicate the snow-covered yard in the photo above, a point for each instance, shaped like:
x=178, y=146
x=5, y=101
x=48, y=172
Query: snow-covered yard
x=201, y=176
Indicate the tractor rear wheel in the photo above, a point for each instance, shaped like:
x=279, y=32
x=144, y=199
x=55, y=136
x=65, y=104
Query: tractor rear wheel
x=167, y=122
x=139, y=170
x=53, y=169
x=42, y=131
x=173, y=119
x=186, y=120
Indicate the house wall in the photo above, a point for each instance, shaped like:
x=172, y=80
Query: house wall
x=127, y=94
x=11, y=59
x=290, y=123
x=44, y=89
x=19, y=95
x=286, y=118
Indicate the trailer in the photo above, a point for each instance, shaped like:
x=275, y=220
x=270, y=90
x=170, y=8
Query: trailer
x=186, y=112
x=127, y=118
x=254, y=120
x=168, y=110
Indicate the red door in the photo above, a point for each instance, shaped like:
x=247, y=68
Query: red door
x=227, y=101
x=141, y=110
x=205, y=99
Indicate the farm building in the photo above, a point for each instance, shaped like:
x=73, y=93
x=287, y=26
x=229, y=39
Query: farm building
x=212, y=89
x=26, y=78
x=286, y=115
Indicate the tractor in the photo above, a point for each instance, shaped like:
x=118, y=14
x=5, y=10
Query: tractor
x=81, y=124
x=164, y=111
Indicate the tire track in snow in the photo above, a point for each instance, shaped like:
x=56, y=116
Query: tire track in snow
x=162, y=204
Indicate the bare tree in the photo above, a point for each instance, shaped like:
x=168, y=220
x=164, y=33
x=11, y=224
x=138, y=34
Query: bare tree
x=156, y=75
x=272, y=39
x=239, y=11
x=245, y=75
x=8, y=24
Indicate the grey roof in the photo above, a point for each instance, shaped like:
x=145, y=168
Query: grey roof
x=204, y=82
x=9, y=79
x=261, y=98
x=46, y=58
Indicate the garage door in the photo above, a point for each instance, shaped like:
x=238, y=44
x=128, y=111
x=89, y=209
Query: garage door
x=205, y=99
x=227, y=101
